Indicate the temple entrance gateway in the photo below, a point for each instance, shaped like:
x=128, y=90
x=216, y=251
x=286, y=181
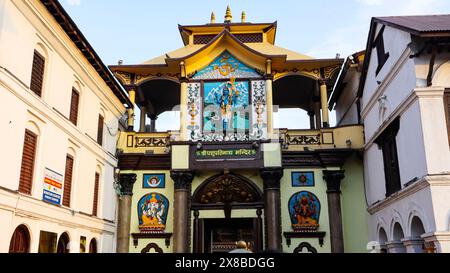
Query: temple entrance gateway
x=221, y=235
x=227, y=192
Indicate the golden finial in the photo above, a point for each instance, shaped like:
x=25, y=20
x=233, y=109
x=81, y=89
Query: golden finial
x=213, y=18
x=243, y=17
x=228, y=16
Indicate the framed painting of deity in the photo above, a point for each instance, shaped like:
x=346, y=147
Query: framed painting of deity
x=154, y=181
x=303, y=179
x=226, y=106
x=304, y=209
x=153, y=210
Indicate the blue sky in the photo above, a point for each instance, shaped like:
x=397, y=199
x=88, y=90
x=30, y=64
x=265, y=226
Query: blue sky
x=138, y=30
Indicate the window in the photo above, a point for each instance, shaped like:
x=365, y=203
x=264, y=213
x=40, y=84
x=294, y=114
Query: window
x=20, y=241
x=47, y=242
x=74, y=103
x=96, y=189
x=68, y=181
x=37, y=73
x=387, y=142
x=28, y=162
x=82, y=244
x=383, y=56
x=447, y=110
x=93, y=246
x=101, y=121
x=63, y=244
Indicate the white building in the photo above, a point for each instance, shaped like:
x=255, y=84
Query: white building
x=58, y=127
x=403, y=100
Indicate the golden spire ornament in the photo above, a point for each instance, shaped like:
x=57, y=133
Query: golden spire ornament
x=228, y=15
x=243, y=17
x=213, y=18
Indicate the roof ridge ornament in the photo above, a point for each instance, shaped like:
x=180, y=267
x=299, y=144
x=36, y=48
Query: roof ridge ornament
x=243, y=17
x=213, y=18
x=228, y=15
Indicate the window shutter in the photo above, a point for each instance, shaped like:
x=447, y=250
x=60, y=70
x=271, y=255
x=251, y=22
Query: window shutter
x=68, y=181
x=74, y=104
x=101, y=121
x=37, y=74
x=96, y=189
x=28, y=161
x=447, y=110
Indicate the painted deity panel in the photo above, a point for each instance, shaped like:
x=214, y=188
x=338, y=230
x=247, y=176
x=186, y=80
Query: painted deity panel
x=153, y=210
x=304, y=209
x=154, y=181
x=226, y=66
x=226, y=106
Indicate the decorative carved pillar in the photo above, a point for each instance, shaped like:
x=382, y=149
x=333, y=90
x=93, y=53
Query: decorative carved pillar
x=143, y=119
x=312, y=120
x=132, y=96
x=181, y=210
x=126, y=182
x=272, y=207
x=333, y=180
x=324, y=103
x=269, y=98
x=183, y=103
x=153, y=119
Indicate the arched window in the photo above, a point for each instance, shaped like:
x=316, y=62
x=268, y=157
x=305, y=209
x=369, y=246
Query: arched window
x=20, y=241
x=93, y=246
x=383, y=239
x=38, y=71
x=417, y=230
x=64, y=244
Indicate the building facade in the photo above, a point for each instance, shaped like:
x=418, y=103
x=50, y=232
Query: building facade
x=228, y=174
x=59, y=125
x=403, y=101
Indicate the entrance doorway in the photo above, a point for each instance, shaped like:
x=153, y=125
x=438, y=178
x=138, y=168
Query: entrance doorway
x=225, y=193
x=221, y=235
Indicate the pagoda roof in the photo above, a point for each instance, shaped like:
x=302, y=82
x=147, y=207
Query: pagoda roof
x=282, y=58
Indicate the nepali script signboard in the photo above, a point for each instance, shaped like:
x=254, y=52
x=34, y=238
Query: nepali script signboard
x=53, y=185
x=220, y=157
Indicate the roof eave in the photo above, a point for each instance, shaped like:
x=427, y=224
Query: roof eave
x=80, y=41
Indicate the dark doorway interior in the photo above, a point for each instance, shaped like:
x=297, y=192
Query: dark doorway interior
x=221, y=235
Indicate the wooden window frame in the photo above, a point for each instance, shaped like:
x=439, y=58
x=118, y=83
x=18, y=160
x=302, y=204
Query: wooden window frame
x=382, y=55
x=387, y=142
x=38, y=90
x=96, y=194
x=74, y=107
x=23, y=185
x=67, y=198
x=100, y=129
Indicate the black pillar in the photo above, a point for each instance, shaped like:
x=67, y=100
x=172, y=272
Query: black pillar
x=126, y=182
x=181, y=210
x=272, y=207
x=333, y=180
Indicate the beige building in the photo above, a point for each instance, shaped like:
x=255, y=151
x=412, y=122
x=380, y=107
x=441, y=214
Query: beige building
x=61, y=110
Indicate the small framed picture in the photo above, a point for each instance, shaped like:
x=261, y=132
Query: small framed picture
x=154, y=181
x=303, y=179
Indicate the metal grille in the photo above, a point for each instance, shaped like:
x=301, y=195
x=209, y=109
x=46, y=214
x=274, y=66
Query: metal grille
x=203, y=39
x=250, y=37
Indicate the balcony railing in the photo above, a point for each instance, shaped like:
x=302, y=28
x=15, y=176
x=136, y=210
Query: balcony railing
x=348, y=137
